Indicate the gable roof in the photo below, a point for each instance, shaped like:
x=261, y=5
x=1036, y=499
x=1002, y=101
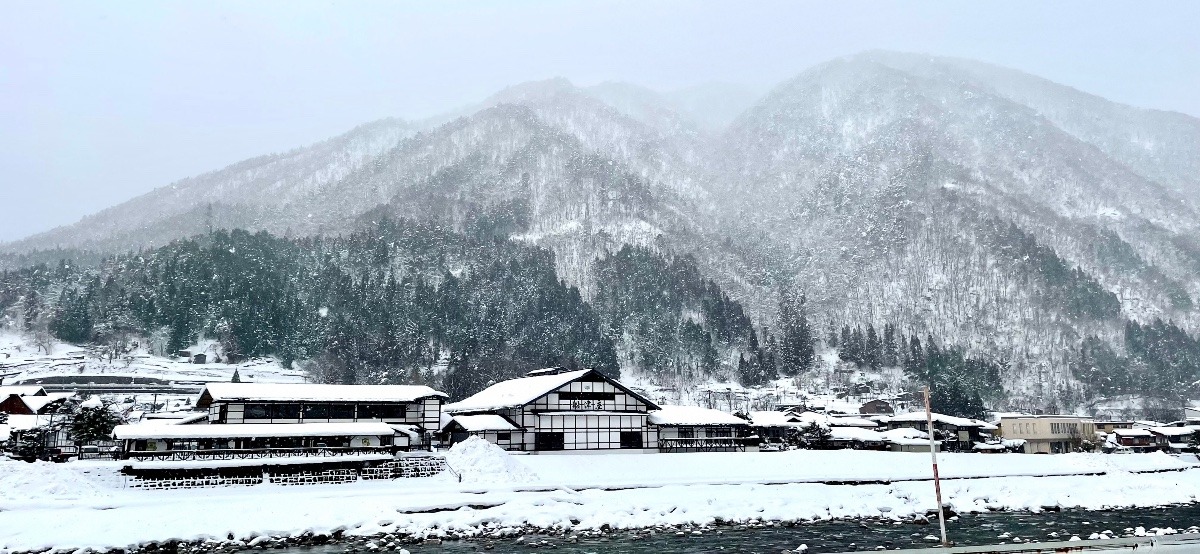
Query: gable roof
x=300, y=392
x=480, y=422
x=919, y=417
x=38, y=403
x=515, y=393
x=22, y=390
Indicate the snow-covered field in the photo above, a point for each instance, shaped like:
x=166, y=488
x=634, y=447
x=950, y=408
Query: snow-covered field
x=570, y=491
x=21, y=360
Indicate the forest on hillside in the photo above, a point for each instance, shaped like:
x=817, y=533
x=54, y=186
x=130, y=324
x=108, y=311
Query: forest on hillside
x=403, y=301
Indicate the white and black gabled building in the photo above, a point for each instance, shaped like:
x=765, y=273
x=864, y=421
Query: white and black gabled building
x=556, y=410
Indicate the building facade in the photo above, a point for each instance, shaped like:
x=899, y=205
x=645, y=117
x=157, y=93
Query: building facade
x=1049, y=434
x=555, y=410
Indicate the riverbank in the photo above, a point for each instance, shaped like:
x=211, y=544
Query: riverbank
x=82, y=504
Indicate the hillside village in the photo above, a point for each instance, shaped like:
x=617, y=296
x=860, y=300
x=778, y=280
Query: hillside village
x=305, y=429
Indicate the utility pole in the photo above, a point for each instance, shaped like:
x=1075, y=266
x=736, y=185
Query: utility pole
x=937, y=483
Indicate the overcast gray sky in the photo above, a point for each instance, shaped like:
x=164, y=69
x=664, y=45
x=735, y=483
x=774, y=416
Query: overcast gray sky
x=100, y=102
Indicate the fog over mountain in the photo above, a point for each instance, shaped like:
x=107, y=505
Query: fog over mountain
x=1020, y=220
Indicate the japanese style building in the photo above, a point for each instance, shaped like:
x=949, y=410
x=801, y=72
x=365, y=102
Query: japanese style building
x=557, y=410
x=695, y=429
x=248, y=420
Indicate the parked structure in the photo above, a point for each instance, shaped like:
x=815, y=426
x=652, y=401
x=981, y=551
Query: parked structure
x=695, y=429
x=557, y=410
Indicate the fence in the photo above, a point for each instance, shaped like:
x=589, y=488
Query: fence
x=403, y=468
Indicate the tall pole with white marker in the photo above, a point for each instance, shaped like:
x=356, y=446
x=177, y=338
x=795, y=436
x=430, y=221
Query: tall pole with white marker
x=937, y=483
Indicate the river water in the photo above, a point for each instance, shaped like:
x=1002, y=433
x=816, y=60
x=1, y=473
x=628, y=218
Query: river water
x=832, y=536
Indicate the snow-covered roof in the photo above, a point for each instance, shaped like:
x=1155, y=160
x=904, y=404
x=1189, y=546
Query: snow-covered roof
x=1132, y=432
x=912, y=442
x=482, y=422
x=990, y=447
x=1173, y=431
x=693, y=415
x=36, y=403
x=904, y=433
x=919, y=417
x=855, y=434
x=175, y=418
x=773, y=419
x=515, y=393
x=300, y=392
x=849, y=421
x=25, y=422
x=124, y=432
x=21, y=390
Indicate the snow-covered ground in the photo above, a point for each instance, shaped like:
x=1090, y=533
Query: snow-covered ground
x=570, y=491
x=21, y=360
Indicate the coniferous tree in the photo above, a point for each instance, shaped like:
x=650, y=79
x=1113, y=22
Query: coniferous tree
x=872, y=349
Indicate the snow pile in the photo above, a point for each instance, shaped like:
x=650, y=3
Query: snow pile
x=26, y=482
x=479, y=461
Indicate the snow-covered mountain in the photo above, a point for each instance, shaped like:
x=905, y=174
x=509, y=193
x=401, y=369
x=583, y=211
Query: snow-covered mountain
x=896, y=188
x=993, y=209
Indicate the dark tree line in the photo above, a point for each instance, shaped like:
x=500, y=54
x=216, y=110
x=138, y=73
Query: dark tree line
x=385, y=305
x=959, y=385
x=1071, y=289
x=1160, y=360
x=868, y=349
x=676, y=320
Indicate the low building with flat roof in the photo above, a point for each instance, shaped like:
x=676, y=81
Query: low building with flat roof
x=1049, y=434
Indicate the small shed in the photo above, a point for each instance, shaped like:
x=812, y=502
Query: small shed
x=494, y=428
x=876, y=407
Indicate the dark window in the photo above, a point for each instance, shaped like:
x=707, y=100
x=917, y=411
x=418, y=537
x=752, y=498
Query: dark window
x=503, y=436
x=631, y=439
x=316, y=411
x=382, y=411
x=549, y=441
x=686, y=433
x=341, y=411
x=257, y=411
x=285, y=411
x=720, y=432
x=569, y=395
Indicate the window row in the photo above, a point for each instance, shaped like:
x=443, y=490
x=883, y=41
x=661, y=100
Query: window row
x=710, y=432
x=570, y=423
x=325, y=411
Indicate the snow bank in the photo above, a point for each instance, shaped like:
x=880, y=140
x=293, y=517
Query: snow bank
x=556, y=491
x=479, y=461
x=22, y=482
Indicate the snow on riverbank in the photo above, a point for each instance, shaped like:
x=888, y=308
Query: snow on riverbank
x=81, y=504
